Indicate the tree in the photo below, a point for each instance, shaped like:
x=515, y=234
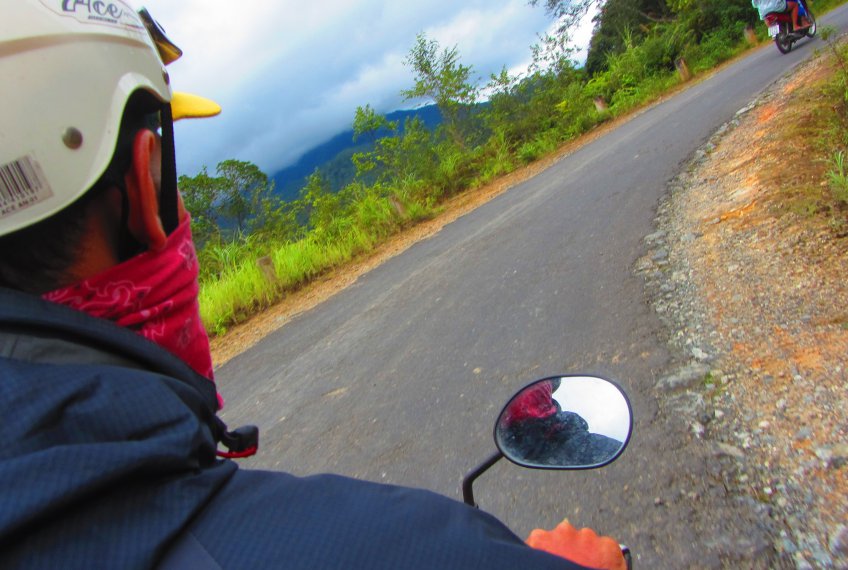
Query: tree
x=520, y=109
x=201, y=195
x=277, y=219
x=322, y=206
x=620, y=22
x=410, y=156
x=552, y=54
x=441, y=77
x=567, y=12
x=367, y=122
x=245, y=188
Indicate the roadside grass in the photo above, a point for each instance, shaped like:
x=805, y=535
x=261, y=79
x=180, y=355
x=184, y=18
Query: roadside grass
x=838, y=177
x=811, y=133
x=242, y=288
x=801, y=133
x=802, y=191
x=834, y=141
x=815, y=134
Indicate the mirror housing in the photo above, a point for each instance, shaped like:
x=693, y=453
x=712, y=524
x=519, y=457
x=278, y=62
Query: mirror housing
x=561, y=422
x=565, y=422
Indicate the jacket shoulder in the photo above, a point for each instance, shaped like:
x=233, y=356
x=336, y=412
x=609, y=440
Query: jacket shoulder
x=273, y=520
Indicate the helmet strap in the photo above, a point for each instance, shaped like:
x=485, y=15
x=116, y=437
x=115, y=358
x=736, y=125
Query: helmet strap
x=168, y=198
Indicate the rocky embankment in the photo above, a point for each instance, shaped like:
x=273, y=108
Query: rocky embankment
x=754, y=296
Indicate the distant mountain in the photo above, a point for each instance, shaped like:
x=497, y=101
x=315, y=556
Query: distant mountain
x=333, y=157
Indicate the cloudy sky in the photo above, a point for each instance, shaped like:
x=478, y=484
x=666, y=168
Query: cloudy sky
x=289, y=74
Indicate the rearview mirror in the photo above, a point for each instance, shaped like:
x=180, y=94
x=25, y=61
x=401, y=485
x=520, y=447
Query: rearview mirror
x=565, y=422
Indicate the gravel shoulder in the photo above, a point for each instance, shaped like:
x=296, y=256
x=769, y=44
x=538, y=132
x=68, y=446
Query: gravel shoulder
x=753, y=295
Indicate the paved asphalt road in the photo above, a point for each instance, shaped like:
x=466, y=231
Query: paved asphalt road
x=399, y=378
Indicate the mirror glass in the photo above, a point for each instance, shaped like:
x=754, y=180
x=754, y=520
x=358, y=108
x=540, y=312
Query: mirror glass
x=567, y=422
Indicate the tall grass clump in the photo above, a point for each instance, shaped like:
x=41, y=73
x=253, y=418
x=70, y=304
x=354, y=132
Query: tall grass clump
x=242, y=287
x=837, y=139
x=235, y=295
x=838, y=177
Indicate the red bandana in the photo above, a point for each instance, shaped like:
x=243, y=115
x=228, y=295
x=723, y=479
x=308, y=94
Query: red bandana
x=153, y=294
x=535, y=402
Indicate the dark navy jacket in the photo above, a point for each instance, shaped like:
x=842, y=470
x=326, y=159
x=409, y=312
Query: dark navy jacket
x=108, y=461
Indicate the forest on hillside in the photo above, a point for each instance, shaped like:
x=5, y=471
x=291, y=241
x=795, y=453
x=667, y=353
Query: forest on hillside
x=254, y=246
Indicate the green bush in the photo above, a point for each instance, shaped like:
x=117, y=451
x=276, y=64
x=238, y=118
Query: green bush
x=715, y=48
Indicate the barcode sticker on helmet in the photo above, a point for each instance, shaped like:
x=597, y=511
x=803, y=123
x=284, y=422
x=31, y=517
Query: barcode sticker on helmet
x=22, y=184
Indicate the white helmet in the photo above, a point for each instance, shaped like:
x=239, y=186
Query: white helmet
x=69, y=68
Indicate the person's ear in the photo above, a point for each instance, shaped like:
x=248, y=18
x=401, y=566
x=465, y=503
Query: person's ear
x=142, y=183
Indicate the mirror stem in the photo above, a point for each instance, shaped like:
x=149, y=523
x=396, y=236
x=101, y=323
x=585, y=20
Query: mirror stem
x=468, y=482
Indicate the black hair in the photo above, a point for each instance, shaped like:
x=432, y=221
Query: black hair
x=37, y=259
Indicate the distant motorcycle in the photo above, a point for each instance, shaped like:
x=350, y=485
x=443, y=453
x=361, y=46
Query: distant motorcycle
x=779, y=22
x=563, y=422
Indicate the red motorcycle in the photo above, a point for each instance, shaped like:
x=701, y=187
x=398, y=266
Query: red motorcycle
x=780, y=26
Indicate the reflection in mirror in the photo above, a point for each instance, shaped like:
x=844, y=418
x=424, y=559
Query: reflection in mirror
x=569, y=422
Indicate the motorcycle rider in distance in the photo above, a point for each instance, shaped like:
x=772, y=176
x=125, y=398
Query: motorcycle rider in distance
x=799, y=16
x=794, y=7
x=110, y=413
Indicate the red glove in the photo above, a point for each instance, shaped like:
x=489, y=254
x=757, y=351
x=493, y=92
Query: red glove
x=583, y=546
